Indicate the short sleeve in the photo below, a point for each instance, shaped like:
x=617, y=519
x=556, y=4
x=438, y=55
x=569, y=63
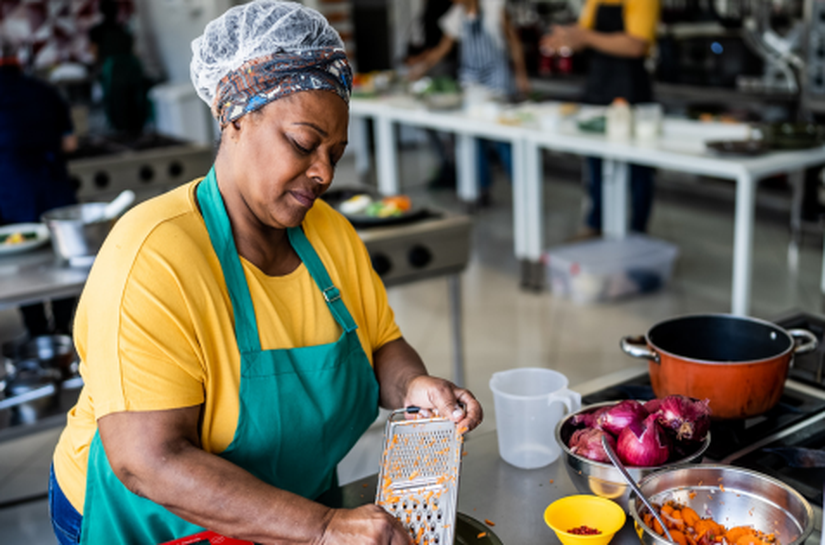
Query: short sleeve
x=451, y=22
x=144, y=354
x=641, y=19
x=587, y=18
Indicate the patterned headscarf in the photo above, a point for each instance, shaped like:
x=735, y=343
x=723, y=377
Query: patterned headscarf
x=258, y=82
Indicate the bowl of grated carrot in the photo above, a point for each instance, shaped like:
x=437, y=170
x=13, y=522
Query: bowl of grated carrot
x=714, y=504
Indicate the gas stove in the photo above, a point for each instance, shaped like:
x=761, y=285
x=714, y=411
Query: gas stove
x=148, y=164
x=797, y=421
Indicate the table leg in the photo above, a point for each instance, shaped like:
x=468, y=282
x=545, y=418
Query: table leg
x=615, y=181
x=797, y=181
x=466, y=168
x=454, y=287
x=386, y=156
x=743, y=244
x=528, y=212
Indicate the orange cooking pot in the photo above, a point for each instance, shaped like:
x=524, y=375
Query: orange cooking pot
x=738, y=363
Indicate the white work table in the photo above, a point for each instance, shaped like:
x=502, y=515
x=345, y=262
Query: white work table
x=680, y=148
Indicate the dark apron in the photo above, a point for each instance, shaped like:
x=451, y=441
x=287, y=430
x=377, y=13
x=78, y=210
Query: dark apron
x=301, y=409
x=609, y=76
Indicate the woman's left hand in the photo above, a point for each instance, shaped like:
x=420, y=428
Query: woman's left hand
x=433, y=393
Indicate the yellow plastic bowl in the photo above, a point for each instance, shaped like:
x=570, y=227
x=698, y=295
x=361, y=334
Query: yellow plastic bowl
x=575, y=511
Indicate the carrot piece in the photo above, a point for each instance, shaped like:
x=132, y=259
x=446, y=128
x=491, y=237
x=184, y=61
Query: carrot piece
x=750, y=539
x=735, y=533
x=482, y=534
x=666, y=508
x=704, y=526
x=648, y=518
x=489, y=522
x=658, y=528
x=679, y=537
x=689, y=516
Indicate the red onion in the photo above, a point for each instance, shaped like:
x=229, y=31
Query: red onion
x=622, y=415
x=589, y=419
x=688, y=418
x=643, y=444
x=653, y=405
x=587, y=442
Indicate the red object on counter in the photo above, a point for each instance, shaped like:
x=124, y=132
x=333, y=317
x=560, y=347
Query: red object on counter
x=207, y=537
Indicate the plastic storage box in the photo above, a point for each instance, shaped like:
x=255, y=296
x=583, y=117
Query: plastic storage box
x=606, y=269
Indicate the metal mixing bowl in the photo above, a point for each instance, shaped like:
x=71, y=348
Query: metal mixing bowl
x=732, y=496
x=78, y=230
x=602, y=479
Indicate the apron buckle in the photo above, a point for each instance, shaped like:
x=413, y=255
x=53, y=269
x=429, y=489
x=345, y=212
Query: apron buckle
x=331, y=294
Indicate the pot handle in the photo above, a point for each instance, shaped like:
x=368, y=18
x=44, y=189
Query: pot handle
x=808, y=344
x=636, y=347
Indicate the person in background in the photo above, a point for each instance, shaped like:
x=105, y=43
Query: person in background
x=491, y=56
x=425, y=35
x=620, y=34
x=234, y=340
x=121, y=72
x=36, y=133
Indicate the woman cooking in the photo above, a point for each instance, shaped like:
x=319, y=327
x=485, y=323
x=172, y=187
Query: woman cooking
x=235, y=341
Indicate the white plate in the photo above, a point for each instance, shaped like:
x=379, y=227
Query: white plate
x=38, y=229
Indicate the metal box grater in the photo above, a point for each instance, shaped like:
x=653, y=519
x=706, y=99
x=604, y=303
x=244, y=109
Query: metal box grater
x=418, y=480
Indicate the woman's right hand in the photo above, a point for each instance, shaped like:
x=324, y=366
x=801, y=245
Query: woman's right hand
x=365, y=525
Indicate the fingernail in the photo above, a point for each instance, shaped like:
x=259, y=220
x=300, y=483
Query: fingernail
x=458, y=413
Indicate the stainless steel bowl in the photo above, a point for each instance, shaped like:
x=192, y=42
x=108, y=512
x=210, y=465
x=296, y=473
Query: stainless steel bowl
x=78, y=230
x=602, y=479
x=732, y=496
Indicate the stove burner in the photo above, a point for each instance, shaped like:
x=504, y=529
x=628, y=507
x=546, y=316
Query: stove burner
x=100, y=146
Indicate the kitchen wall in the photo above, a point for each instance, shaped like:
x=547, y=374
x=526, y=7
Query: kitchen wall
x=167, y=28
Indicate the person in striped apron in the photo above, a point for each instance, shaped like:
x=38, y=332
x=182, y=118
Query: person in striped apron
x=490, y=56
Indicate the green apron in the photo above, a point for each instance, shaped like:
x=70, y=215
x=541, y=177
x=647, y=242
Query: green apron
x=301, y=409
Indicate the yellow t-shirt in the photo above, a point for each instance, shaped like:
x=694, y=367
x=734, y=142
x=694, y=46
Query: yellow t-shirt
x=640, y=17
x=154, y=327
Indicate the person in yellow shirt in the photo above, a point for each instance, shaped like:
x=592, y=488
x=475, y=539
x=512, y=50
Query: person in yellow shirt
x=234, y=339
x=620, y=34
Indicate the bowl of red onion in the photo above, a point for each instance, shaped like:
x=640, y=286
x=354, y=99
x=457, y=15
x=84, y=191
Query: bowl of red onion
x=647, y=436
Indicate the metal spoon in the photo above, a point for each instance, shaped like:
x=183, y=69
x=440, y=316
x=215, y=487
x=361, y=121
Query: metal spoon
x=618, y=464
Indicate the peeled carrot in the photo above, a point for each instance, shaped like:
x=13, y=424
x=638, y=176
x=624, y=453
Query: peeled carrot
x=658, y=527
x=735, y=533
x=678, y=537
x=689, y=516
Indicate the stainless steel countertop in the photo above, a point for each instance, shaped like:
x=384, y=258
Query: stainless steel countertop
x=514, y=499
x=490, y=488
x=36, y=276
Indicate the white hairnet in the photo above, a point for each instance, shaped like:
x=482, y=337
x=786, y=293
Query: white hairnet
x=253, y=30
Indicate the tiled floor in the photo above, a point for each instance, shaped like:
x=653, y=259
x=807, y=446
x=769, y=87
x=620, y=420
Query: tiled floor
x=507, y=327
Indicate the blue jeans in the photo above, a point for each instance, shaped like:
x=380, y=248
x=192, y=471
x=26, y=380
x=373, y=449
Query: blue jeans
x=505, y=154
x=641, y=195
x=66, y=521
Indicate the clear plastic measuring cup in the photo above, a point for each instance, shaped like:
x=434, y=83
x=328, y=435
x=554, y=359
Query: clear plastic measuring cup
x=529, y=402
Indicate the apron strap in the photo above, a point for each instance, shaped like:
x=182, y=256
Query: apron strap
x=220, y=233
x=318, y=272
